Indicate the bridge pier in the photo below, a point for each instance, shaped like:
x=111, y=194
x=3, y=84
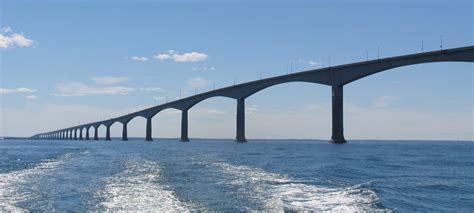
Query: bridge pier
x=96, y=133
x=107, y=133
x=337, y=115
x=148, y=129
x=240, y=133
x=80, y=134
x=75, y=134
x=124, y=132
x=184, y=125
x=87, y=132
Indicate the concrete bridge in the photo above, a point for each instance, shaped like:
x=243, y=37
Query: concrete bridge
x=336, y=77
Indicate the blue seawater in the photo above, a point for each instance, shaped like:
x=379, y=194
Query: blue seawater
x=221, y=175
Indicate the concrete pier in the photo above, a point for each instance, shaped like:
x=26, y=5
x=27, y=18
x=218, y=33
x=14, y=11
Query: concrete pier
x=184, y=125
x=96, y=133
x=124, y=132
x=107, y=133
x=240, y=126
x=337, y=115
x=148, y=130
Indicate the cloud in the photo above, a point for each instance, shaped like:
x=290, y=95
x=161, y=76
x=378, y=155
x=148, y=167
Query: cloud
x=203, y=68
x=6, y=29
x=185, y=57
x=215, y=112
x=310, y=62
x=163, y=56
x=385, y=101
x=9, y=40
x=198, y=82
x=315, y=63
x=152, y=89
x=109, y=79
x=139, y=58
x=251, y=110
x=17, y=90
x=80, y=89
x=31, y=97
x=159, y=98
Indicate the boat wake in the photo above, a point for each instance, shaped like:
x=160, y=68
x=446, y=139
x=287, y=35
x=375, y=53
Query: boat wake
x=137, y=188
x=16, y=186
x=279, y=192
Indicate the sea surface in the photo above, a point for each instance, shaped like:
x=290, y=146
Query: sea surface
x=221, y=175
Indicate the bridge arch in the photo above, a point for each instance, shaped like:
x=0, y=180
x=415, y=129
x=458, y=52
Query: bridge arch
x=166, y=123
x=115, y=129
x=302, y=110
x=219, y=111
x=419, y=103
x=136, y=127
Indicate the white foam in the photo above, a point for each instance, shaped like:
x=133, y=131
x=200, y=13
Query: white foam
x=137, y=188
x=11, y=183
x=279, y=192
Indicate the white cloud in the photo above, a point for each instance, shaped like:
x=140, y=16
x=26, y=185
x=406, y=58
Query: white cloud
x=385, y=101
x=6, y=29
x=159, y=98
x=31, y=97
x=314, y=63
x=80, y=89
x=190, y=57
x=203, y=68
x=163, y=56
x=198, y=82
x=139, y=58
x=215, y=112
x=251, y=110
x=185, y=57
x=16, y=90
x=10, y=40
x=152, y=89
x=109, y=79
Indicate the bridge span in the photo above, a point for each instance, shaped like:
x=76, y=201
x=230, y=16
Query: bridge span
x=336, y=77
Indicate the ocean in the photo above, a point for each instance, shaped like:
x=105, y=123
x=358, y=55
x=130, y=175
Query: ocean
x=220, y=175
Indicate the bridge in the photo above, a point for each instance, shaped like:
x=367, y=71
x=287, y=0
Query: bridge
x=336, y=77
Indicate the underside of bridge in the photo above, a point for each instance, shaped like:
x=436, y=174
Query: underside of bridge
x=336, y=77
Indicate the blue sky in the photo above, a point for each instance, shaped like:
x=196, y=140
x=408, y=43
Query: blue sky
x=80, y=61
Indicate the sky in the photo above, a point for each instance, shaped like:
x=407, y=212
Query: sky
x=64, y=63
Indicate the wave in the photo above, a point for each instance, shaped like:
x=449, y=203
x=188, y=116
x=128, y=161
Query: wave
x=137, y=188
x=15, y=186
x=279, y=192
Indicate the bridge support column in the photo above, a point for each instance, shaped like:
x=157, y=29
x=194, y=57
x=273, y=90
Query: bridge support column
x=96, y=133
x=75, y=134
x=124, y=132
x=80, y=134
x=184, y=125
x=87, y=133
x=337, y=115
x=107, y=134
x=148, y=130
x=240, y=137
